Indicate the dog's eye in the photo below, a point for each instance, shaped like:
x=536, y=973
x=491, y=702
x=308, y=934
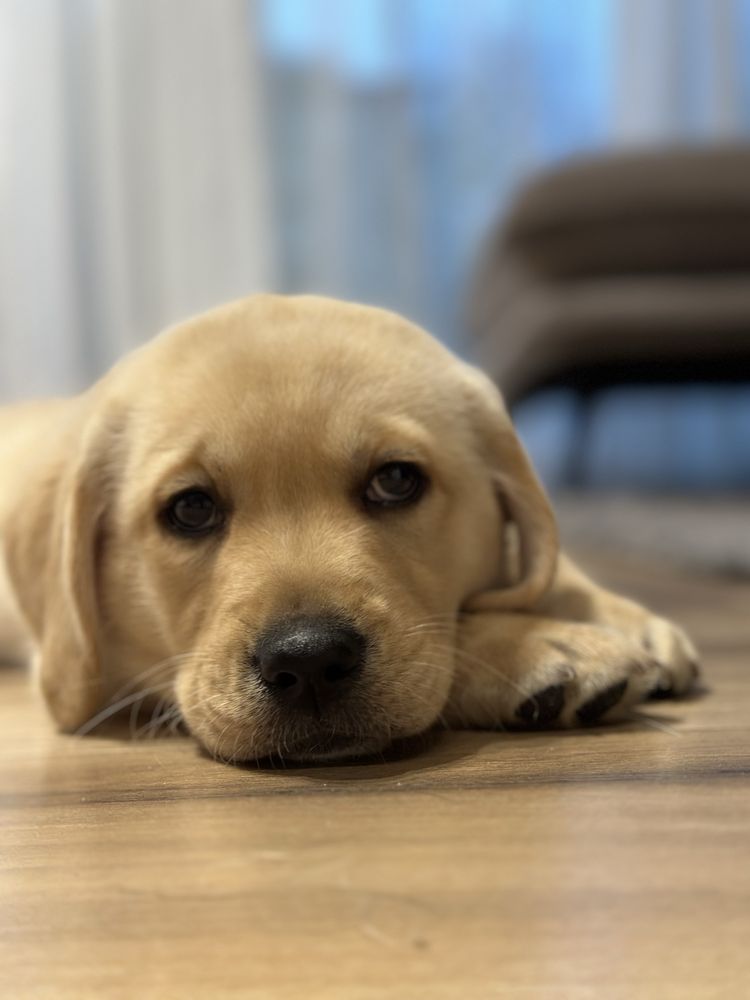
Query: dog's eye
x=193, y=512
x=394, y=484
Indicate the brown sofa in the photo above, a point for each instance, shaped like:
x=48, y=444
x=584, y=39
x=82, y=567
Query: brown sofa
x=629, y=267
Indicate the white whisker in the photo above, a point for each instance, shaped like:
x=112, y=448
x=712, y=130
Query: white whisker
x=118, y=706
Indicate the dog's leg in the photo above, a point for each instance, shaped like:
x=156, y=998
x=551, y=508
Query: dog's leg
x=516, y=669
x=583, y=653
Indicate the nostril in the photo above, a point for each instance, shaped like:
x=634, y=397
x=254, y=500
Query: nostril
x=285, y=680
x=336, y=672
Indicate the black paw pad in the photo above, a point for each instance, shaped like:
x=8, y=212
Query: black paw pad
x=662, y=690
x=542, y=708
x=593, y=710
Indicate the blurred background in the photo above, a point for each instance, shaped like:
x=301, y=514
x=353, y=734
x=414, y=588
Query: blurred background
x=558, y=189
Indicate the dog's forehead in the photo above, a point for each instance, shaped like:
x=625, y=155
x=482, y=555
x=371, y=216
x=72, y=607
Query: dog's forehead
x=297, y=332
x=294, y=354
x=295, y=370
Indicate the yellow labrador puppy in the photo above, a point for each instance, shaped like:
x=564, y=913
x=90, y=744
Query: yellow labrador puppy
x=306, y=529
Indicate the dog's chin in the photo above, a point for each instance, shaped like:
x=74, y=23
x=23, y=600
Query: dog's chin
x=322, y=747
x=342, y=750
x=333, y=749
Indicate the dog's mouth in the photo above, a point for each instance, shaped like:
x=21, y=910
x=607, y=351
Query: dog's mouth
x=324, y=745
x=314, y=745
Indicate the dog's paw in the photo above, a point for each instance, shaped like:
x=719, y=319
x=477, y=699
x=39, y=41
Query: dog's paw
x=520, y=672
x=601, y=675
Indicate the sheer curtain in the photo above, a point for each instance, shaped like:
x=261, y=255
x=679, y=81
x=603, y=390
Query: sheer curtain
x=160, y=156
x=133, y=180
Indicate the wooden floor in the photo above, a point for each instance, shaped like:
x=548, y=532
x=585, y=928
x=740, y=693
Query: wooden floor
x=601, y=864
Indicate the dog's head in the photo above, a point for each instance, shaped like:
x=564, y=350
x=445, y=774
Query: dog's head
x=273, y=514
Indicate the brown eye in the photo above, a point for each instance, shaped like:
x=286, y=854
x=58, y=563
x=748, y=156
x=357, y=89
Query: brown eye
x=193, y=512
x=395, y=484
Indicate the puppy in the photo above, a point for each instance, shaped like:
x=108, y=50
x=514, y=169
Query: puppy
x=307, y=530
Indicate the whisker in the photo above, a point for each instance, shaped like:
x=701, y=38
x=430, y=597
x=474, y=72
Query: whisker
x=648, y=721
x=165, y=664
x=480, y=665
x=118, y=706
x=161, y=716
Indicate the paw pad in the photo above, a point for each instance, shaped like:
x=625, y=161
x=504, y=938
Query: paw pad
x=662, y=690
x=542, y=708
x=593, y=710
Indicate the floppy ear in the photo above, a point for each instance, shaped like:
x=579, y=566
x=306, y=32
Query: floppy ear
x=51, y=551
x=522, y=499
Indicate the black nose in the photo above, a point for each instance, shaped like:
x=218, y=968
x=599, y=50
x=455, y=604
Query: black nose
x=309, y=662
